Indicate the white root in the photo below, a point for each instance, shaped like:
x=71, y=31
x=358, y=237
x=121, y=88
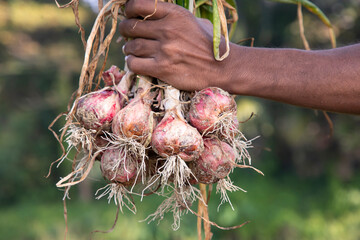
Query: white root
x=119, y=194
x=169, y=204
x=81, y=167
x=176, y=167
x=224, y=128
x=222, y=187
x=132, y=149
x=178, y=203
x=240, y=145
x=78, y=137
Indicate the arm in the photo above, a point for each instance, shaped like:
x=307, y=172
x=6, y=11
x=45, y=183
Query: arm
x=326, y=79
x=176, y=47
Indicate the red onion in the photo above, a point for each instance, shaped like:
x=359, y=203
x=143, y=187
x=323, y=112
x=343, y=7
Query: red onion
x=136, y=121
x=96, y=110
x=215, y=162
x=116, y=166
x=173, y=135
x=213, y=109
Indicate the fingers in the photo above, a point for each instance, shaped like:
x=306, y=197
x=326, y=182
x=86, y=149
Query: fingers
x=152, y=9
x=135, y=28
x=141, y=48
x=142, y=66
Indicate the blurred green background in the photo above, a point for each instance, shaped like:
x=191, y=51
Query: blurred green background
x=311, y=184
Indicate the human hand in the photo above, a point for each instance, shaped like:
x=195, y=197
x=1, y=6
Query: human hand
x=171, y=45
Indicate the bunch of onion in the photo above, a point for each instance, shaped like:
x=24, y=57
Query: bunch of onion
x=122, y=143
x=94, y=113
x=122, y=133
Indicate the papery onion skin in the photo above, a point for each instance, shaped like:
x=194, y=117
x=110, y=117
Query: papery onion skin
x=126, y=170
x=115, y=71
x=215, y=162
x=208, y=105
x=135, y=120
x=173, y=136
x=97, y=109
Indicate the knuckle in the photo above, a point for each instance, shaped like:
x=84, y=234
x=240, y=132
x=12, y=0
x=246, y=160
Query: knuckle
x=172, y=53
x=137, y=45
x=131, y=26
x=206, y=21
x=178, y=11
x=166, y=49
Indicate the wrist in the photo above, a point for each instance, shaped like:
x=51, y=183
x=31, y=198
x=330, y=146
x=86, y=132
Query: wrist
x=232, y=74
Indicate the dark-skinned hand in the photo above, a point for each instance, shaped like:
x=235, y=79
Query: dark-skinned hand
x=171, y=45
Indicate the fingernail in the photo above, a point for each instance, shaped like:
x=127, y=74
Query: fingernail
x=123, y=49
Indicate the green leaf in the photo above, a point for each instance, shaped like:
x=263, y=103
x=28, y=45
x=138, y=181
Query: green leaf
x=217, y=30
x=200, y=3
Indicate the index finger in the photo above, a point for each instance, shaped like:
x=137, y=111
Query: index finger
x=151, y=9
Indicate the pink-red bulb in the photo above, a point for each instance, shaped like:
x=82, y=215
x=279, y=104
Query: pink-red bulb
x=116, y=166
x=135, y=120
x=173, y=136
x=215, y=162
x=208, y=106
x=96, y=110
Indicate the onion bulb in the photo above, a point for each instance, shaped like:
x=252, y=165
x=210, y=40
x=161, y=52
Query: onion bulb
x=213, y=110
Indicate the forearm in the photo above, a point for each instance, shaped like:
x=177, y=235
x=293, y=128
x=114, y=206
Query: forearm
x=326, y=79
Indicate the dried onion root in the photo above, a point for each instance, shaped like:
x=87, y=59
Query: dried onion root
x=179, y=203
